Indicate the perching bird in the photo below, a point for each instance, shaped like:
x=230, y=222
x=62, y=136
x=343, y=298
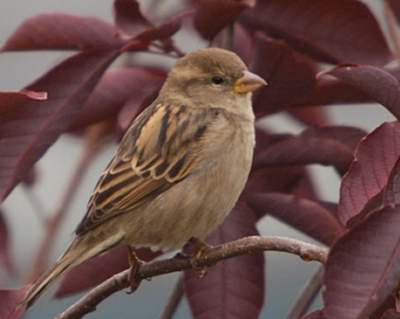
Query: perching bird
x=180, y=167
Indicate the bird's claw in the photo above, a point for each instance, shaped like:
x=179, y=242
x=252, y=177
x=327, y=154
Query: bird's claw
x=200, y=250
x=135, y=263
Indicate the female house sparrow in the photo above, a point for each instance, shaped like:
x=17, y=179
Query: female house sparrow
x=180, y=167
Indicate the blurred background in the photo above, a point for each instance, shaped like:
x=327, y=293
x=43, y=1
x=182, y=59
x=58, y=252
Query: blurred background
x=286, y=274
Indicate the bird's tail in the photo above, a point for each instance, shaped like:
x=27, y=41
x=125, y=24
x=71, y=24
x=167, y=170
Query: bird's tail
x=76, y=253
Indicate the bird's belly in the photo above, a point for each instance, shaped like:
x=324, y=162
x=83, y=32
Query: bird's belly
x=192, y=208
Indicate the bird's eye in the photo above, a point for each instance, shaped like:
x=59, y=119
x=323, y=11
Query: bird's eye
x=217, y=80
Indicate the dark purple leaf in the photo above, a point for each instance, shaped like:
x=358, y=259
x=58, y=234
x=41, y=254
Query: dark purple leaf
x=331, y=91
x=369, y=172
x=391, y=193
x=391, y=314
x=5, y=253
x=137, y=104
x=164, y=30
x=310, y=116
x=265, y=139
x=374, y=82
x=285, y=71
x=301, y=213
x=395, y=5
x=9, y=299
x=305, y=187
x=27, y=131
x=243, y=43
x=347, y=135
x=129, y=18
x=363, y=267
x=59, y=31
x=340, y=31
x=30, y=178
x=273, y=179
x=82, y=277
x=115, y=89
x=211, y=16
x=11, y=100
x=326, y=146
x=233, y=288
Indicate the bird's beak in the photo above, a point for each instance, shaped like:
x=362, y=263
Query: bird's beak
x=249, y=82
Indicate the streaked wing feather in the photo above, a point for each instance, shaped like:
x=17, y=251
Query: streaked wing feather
x=159, y=150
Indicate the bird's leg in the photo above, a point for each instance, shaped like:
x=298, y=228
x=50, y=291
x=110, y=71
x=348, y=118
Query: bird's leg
x=134, y=263
x=200, y=249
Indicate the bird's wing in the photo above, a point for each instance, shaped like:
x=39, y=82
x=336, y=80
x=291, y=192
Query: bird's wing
x=160, y=149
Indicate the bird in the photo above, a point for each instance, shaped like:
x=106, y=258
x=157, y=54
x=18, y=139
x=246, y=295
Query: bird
x=179, y=168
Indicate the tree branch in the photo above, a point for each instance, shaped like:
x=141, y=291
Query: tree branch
x=174, y=300
x=243, y=246
x=307, y=296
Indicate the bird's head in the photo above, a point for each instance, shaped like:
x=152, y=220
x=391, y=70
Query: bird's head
x=213, y=76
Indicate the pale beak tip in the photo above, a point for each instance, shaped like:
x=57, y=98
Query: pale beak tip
x=249, y=82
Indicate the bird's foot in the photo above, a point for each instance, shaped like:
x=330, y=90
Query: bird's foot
x=135, y=263
x=200, y=250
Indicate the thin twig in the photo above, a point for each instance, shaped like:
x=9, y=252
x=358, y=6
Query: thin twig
x=36, y=204
x=230, y=37
x=243, y=246
x=307, y=296
x=174, y=300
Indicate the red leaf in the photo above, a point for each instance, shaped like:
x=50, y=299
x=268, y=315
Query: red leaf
x=5, y=253
x=391, y=192
x=347, y=135
x=391, y=314
x=374, y=82
x=164, y=30
x=332, y=91
x=265, y=139
x=340, y=31
x=303, y=214
x=273, y=179
x=128, y=17
x=136, y=105
x=59, y=31
x=326, y=146
x=212, y=16
x=243, y=43
x=115, y=89
x=27, y=130
x=363, y=267
x=82, y=277
x=233, y=288
x=310, y=116
x=9, y=300
x=369, y=172
x=395, y=5
x=39, y=96
x=285, y=71
x=11, y=100
x=306, y=188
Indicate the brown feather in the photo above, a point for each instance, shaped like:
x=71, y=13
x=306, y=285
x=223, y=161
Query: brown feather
x=160, y=149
